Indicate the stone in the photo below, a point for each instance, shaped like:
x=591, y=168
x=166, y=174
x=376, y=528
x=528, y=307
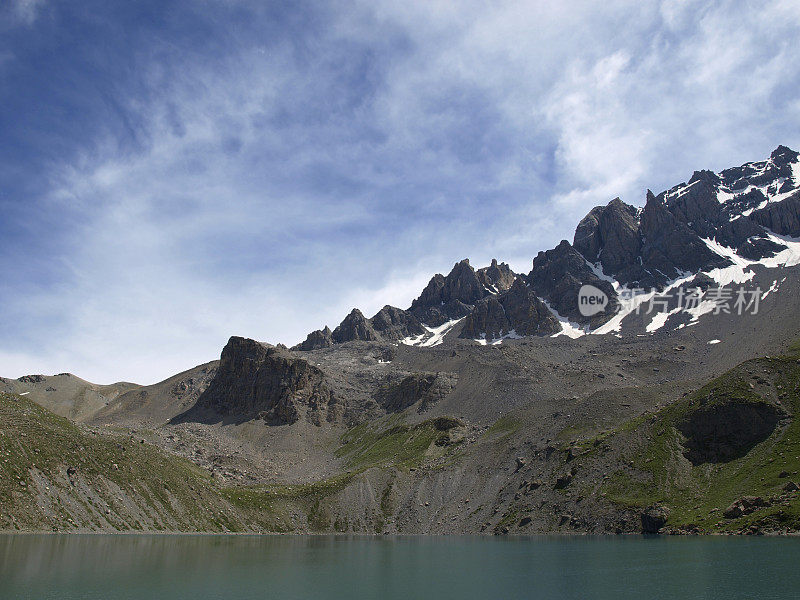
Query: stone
x=654, y=518
x=449, y=297
x=558, y=275
x=497, y=277
x=392, y=323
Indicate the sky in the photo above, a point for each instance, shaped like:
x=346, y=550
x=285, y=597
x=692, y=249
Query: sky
x=174, y=173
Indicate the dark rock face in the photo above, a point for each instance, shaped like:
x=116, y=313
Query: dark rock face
x=497, y=277
x=723, y=431
x=557, y=277
x=609, y=235
x=696, y=206
x=763, y=172
x=354, y=327
x=638, y=248
x=781, y=217
x=666, y=239
x=450, y=297
x=587, y=238
x=321, y=338
x=256, y=380
x=393, y=323
x=518, y=310
x=422, y=389
x=669, y=247
x=654, y=518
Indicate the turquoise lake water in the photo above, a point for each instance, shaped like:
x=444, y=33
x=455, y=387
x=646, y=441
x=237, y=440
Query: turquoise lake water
x=108, y=567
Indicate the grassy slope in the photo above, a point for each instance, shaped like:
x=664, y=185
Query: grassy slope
x=55, y=475
x=698, y=495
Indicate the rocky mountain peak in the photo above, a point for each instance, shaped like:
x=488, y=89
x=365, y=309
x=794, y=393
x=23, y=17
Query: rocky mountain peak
x=706, y=176
x=784, y=155
x=321, y=338
x=516, y=312
x=497, y=277
x=609, y=235
x=449, y=297
x=557, y=276
x=355, y=326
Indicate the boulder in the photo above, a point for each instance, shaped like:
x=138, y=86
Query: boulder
x=654, y=518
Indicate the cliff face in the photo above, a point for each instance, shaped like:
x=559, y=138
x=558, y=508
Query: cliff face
x=267, y=382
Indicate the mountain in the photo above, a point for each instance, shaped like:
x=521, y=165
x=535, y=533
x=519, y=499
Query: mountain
x=498, y=402
x=715, y=229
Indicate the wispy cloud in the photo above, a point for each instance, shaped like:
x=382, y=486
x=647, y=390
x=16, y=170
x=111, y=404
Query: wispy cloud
x=26, y=10
x=182, y=173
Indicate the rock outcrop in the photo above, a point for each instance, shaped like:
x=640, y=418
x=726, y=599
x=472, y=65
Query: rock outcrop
x=420, y=389
x=321, y=338
x=654, y=518
x=392, y=323
x=517, y=311
x=557, y=277
x=259, y=381
x=449, y=297
x=781, y=217
x=354, y=327
x=609, y=235
x=725, y=429
x=497, y=277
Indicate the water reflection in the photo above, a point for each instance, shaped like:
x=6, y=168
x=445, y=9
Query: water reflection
x=200, y=567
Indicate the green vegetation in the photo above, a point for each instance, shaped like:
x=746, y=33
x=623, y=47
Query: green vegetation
x=56, y=475
x=698, y=494
x=61, y=476
x=400, y=445
x=503, y=427
x=389, y=444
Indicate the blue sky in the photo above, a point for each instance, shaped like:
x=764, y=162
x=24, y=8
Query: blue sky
x=173, y=173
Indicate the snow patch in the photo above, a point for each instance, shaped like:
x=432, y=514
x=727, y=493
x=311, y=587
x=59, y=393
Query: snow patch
x=433, y=335
x=771, y=288
x=568, y=328
x=658, y=321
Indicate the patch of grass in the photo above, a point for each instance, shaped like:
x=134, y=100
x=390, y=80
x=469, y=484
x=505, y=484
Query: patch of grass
x=698, y=494
x=503, y=427
x=400, y=445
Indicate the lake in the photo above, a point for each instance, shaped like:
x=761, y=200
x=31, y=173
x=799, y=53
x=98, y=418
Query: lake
x=201, y=567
